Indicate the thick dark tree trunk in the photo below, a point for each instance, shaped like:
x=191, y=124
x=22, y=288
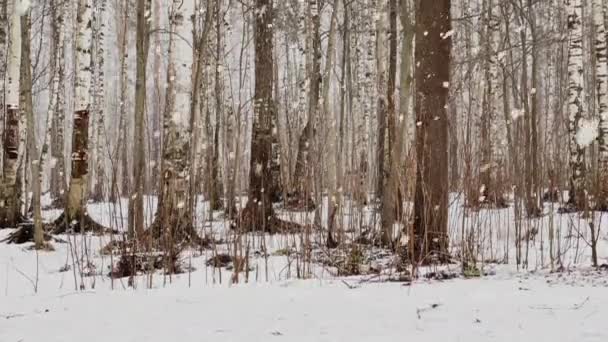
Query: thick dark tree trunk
x=433, y=22
x=136, y=201
x=259, y=213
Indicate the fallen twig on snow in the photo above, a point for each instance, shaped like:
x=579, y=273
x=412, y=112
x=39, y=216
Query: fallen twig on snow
x=419, y=311
x=573, y=307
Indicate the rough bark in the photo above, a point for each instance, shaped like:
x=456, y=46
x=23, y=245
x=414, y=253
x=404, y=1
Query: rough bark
x=490, y=191
x=9, y=191
x=304, y=162
x=402, y=138
x=136, y=200
x=259, y=214
x=75, y=216
x=173, y=222
x=213, y=157
x=334, y=200
x=3, y=54
x=200, y=55
x=433, y=22
x=99, y=101
x=157, y=107
x=390, y=172
x=601, y=83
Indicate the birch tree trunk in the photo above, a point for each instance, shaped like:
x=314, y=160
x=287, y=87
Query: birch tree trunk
x=58, y=171
x=9, y=191
x=213, y=155
x=55, y=87
x=490, y=192
x=173, y=221
x=382, y=143
x=158, y=102
x=120, y=153
x=404, y=134
x=3, y=63
x=200, y=37
x=100, y=142
x=433, y=45
x=76, y=201
x=577, y=199
x=601, y=81
x=303, y=171
x=334, y=199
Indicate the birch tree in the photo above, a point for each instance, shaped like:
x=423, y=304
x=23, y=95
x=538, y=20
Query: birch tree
x=58, y=169
x=601, y=81
x=53, y=133
x=200, y=35
x=120, y=152
x=577, y=198
x=99, y=100
x=303, y=171
x=173, y=220
x=10, y=201
x=3, y=61
x=490, y=192
x=75, y=217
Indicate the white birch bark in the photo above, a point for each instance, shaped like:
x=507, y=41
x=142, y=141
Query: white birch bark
x=601, y=80
x=58, y=171
x=9, y=203
x=173, y=204
x=575, y=101
x=82, y=105
x=3, y=53
x=99, y=133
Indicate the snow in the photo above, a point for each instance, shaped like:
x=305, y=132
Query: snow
x=474, y=310
x=23, y=6
x=516, y=114
x=207, y=304
x=587, y=132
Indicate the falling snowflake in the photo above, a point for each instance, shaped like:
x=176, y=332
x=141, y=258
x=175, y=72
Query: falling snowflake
x=516, y=114
x=23, y=7
x=587, y=132
x=447, y=34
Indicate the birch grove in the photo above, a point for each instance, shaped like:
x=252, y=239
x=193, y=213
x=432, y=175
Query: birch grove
x=347, y=128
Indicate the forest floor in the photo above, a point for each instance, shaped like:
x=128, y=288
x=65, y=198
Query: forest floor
x=67, y=294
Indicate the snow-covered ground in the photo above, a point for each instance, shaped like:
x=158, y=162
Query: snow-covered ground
x=41, y=297
x=488, y=309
